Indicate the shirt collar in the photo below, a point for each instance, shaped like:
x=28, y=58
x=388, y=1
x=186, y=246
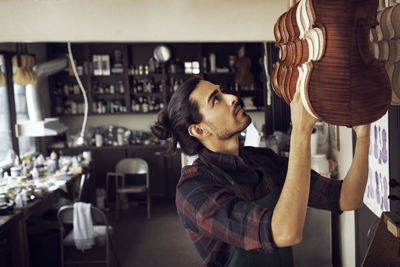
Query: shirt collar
x=224, y=161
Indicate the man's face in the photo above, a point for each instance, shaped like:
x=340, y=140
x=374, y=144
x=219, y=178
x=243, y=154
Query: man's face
x=221, y=113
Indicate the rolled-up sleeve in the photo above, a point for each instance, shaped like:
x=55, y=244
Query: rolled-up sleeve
x=324, y=193
x=266, y=239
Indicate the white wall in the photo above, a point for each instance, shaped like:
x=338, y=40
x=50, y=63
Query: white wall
x=344, y=158
x=134, y=20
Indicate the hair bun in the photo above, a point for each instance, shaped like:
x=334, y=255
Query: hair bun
x=161, y=128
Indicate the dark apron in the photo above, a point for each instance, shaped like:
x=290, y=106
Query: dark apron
x=255, y=258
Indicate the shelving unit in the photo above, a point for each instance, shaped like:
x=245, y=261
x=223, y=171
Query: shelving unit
x=160, y=77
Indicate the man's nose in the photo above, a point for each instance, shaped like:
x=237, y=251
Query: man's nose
x=231, y=99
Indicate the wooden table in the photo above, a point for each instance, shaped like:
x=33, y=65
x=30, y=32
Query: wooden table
x=385, y=246
x=15, y=223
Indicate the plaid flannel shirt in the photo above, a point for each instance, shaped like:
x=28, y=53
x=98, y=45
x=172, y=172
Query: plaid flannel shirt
x=218, y=220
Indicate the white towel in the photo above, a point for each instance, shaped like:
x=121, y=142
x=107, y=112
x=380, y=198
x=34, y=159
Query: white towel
x=83, y=226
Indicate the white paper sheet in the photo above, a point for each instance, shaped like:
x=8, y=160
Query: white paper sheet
x=377, y=190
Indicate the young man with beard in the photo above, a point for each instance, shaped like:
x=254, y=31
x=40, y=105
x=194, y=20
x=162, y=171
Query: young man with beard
x=246, y=206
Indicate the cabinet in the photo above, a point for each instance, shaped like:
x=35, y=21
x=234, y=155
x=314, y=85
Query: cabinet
x=131, y=81
x=164, y=170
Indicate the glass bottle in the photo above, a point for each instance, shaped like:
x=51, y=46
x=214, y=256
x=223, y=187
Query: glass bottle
x=151, y=104
x=98, y=137
x=139, y=87
x=133, y=105
x=176, y=85
x=134, y=85
x=145, y=105
x=121, y=87
x=140, y=100
x=110, y=136
x=152, y=67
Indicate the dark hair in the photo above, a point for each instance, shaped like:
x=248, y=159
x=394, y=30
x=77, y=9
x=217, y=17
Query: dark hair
x=173, y=121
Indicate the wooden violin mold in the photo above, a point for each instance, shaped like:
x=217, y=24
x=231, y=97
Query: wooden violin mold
x=2, y=79
x=340, y=81
x=299, y=42
x=385, y=42
x=24, y=73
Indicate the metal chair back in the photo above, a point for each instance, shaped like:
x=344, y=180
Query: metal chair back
x=126, y=167
x=65, y=215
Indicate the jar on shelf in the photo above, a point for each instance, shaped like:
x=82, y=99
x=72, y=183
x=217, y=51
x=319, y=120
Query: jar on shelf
x=98, y=137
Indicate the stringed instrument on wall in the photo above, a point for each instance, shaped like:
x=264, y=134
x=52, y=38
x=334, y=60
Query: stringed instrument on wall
x=330, y=60
x=23, y=63
x=21, y=75
x=387, y=47
x=2, y=79
x=243, y=76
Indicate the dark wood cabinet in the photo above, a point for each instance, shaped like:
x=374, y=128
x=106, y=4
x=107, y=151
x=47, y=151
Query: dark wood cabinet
x=164, y=169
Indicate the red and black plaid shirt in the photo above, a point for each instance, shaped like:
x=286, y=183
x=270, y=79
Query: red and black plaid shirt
x=217, y=220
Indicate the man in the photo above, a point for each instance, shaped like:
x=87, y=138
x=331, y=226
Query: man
x=245, y=206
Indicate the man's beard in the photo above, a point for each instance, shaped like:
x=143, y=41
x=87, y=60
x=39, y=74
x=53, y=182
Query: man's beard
x=227, y=133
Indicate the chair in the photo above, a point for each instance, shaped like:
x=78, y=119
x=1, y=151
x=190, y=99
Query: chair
x=101, y=228
x=83, y=195
x=80, y=193
x=129, y=166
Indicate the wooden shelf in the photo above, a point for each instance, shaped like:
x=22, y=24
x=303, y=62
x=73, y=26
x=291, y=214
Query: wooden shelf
x=136, y=146
x=150, y=75
x=72, y=96
x=147, y=94
x=67, y=77
x=181, y=74
x=219, y=73
x=105, y=114
x=111, y=76
x=134, y=54
x=109, y=96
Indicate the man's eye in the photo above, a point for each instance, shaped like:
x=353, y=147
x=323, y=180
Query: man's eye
x=216, y=99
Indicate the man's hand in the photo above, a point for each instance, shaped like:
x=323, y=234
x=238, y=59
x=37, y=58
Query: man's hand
x=301, y=119
x=362, y=132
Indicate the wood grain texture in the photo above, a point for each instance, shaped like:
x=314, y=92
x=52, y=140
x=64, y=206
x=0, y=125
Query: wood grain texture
x=348, y=86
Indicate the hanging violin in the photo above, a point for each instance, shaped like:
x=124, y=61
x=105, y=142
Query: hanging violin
x=339, y=79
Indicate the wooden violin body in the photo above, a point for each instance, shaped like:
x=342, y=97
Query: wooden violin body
x=2, y=79
x=243, y=75
x=330, y=61
x=387, y=46
x=24, y=74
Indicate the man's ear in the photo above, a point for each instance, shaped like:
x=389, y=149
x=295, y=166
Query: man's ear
x=197, y=131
